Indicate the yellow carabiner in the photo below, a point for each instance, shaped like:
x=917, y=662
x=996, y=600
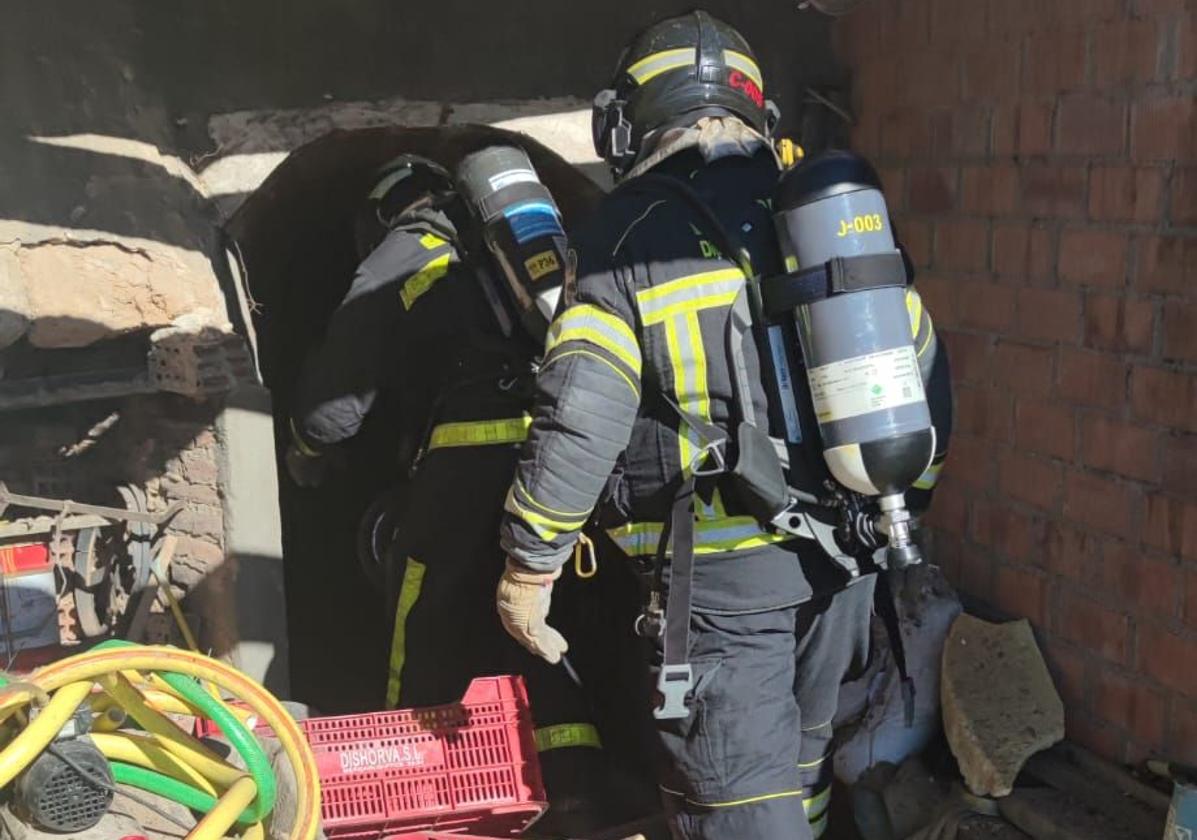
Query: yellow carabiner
x=584, y=545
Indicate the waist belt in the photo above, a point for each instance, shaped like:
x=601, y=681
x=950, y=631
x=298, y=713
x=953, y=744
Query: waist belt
x=711, y=536
x=480, y=433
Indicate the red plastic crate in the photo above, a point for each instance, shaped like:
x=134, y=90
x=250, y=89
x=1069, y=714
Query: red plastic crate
x=466, y=767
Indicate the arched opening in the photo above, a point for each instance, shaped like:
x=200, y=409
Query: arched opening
x=294, y=237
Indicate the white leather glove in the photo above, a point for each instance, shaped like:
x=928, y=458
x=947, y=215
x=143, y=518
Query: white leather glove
x=523, y=600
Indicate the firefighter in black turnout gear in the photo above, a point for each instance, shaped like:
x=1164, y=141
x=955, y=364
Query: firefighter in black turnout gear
x=429, y=318
x=640, y=366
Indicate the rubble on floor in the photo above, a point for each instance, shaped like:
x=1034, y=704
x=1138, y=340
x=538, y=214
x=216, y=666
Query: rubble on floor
x=1000, y=706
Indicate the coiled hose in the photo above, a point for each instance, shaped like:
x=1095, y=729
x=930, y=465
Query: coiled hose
x=167, y=760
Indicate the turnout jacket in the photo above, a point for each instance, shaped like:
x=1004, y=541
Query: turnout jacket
x=645, y=320
x=417, y=323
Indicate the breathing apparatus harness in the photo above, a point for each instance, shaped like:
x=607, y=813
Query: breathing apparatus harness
x=750, y=459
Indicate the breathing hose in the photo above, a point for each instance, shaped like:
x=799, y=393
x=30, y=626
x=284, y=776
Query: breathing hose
x=168, y=761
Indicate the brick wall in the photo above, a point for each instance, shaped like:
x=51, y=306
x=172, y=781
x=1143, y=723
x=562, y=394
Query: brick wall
x=1041, y=162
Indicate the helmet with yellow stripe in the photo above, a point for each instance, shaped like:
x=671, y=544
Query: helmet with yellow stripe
x=674, y=73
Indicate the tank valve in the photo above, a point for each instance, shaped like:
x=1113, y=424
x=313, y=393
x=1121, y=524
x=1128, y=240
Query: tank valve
x=896, y=523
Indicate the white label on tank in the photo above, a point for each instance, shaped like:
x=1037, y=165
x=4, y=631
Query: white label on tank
x=863, y=384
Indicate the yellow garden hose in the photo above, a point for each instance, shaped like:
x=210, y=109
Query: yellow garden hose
x=167, y=749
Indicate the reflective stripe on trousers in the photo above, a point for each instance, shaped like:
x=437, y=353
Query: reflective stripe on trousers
x=409, y=593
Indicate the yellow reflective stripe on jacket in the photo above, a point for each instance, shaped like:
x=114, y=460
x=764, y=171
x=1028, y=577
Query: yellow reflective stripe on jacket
x=580, y=351
x=914, y=306
x=676, y=305
x=546, y=527
x=480, y=432
x=929, y=478
x=711, y=536
x=585, y=322
x=431, y=241
x=688, y=294
x=422, y=280
x=657, y=63
x=819, y=827
x=409, y=593
x=302, y=445
x=566, y=735
x=745, y=64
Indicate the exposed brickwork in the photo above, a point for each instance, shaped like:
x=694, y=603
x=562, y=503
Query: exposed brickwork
x=1043, y=158
x=161, y=443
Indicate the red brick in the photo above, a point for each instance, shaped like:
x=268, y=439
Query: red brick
x=1090, y=125
x=1180, y=330
x=1035, y=122
x=1030, y=479
x=984, y=412
x=970, y=461
x=986, y=306
x=945, y=550
x=1180, y=464
x=1007, y=531
x=1184, y=196
x=1186, y=47
x=962, y=245
x=1022, y=250
x=1126, y=194
x=1068, y=665
x=1126, y=449
x=991, y=70
x=1003, y=134
x=1182, y=736
x=1055, y=61
x=1164, y=129
x=931, y=78
x=1169, y=658
x=893, y=181
x=1046, y=428
x=1093, y=257
x=858, y=37
x=1167, y=264
x=932, y=190
x=993, y=190
x=1097, y=736
x=877, y=87
x=1190, y=598
x=1094, y=627
x=976, y=572
x=1092, y=378
x=1165, y=397
x=1069, y=551
x=961, y=133
x=1051, y=189
x=1049, y=314
x=1118, y=323
x=952, y=22
x=1148, y=8
x=1130, y=705
x=916, y=236
x=950, y=510
x=865, y=134
x=971, y=355
x=1023, y=368
x=1170, y=524
x=1022, y=593
x=1104, y=504
x=1150, y=585
x=907, y=23
x=1126, y=52
x=905, y=133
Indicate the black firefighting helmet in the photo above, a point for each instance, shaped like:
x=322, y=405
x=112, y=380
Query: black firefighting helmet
x=397, y=187
x=673, y=73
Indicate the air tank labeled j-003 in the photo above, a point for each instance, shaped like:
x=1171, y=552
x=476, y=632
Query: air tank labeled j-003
x=846, y=282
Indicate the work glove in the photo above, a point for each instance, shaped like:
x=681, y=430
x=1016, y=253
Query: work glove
x=306, y=470
x=523, y=600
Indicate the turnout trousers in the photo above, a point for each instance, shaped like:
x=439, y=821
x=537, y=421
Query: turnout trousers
x=446, y=628
x=751, y=759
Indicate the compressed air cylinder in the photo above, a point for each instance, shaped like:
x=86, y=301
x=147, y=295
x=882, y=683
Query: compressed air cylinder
x=858, y=346
x=521, y=226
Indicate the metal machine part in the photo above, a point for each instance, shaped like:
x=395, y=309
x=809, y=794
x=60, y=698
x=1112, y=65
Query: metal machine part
x=69, y=787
